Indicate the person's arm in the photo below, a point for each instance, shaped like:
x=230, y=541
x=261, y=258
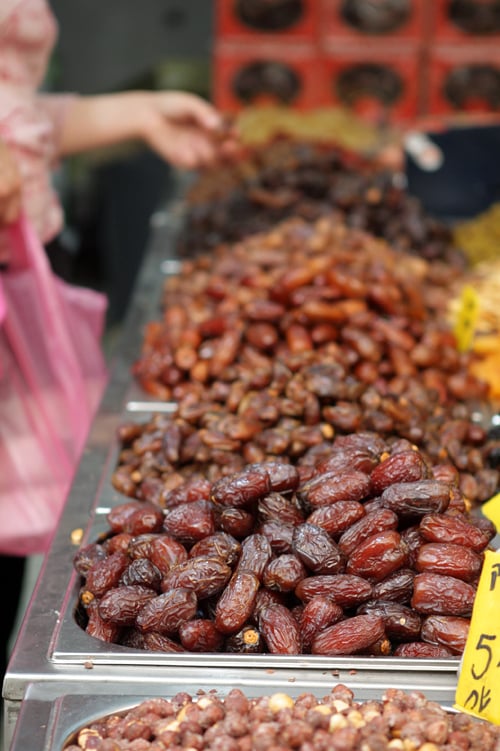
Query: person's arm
x=10, y=187
x=182, y=128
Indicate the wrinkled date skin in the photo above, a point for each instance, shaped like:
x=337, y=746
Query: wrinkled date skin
x=407, y=466
x=206, y=576
x=243, y=489
x=318, y=614
x=316, y=549
x=280, y=630
x=449, y=559
x=417, y=498
x=350, y=636
x=236, y=603
x=122, y=604
x=378, y=556
x=165, y=613
x=434, y=594
x=447, y=631
x=453, y=529
x=401, y=623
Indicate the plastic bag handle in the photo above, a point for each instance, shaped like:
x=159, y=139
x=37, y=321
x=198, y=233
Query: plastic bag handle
x=26, y=247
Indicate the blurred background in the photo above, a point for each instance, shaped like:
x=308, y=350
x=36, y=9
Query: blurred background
x=361, y=72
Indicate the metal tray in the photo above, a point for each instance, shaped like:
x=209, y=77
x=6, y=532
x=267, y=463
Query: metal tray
x=51, y=647
x=49, y=719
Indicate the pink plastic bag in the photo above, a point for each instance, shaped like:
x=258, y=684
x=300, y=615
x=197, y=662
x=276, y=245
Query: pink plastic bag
x=52, y=376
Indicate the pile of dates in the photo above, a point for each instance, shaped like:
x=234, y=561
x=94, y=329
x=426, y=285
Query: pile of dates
x=273, y=346
x=239, y=722
x=370, y=550
x=289, y=178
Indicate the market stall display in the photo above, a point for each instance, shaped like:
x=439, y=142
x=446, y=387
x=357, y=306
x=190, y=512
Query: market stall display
x=264, y=369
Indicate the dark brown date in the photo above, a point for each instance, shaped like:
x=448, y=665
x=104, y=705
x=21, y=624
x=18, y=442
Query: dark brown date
x=236, y=603
x=165, y=613
x=160, y=643
x=354, y=458
x=416, y=499
x=346, y=590
x=280, y=630
x=142, y=571
x=277, y=507
x=206, y=576
x=378, y=556
x=401, y=623
x=406, y=466
x=333, y=487
x=446, y=630
x=87, y=556
x=200, y=635
x=264, y=598
x=120, y=542
x=190, y=522
x=434, y=594
x=316, y=615
x=166, y=552
x=106, y=574
x=140, y=546
x=350, y=636
x=279, y=534
x=316, y=549
x=193, y=489
x=453, y=529
x=242, y=489
x=136, y=518
x=118, y=517
x=219, y=545
x=283, y=477
x=122, y=604
x=99, y=628
x=337, y=518
x=422, y=650
x=449, y=559
x=236, y=522
x=374, y=522
x=397, y=587
x=283, y=573
x=255, y=555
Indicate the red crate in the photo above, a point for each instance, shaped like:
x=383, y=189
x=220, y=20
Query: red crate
x=358, y=20
x=249, y=75
x=230, y=20
x=463, y=79
x=465, y=21
x=378, y=81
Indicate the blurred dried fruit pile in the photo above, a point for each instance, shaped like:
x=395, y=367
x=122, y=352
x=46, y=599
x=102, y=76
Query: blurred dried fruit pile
x=273, y=345
x=289, y=178
x=237, y=722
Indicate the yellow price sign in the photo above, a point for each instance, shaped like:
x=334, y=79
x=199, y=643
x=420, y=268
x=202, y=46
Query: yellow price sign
x=478, y=689
x=491, y=509
x=466, y=318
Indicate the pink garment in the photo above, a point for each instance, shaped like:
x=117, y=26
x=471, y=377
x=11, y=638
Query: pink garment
x=30, y=122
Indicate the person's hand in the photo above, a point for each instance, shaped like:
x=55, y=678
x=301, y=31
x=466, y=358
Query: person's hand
x=185, y=130
x=10, y=187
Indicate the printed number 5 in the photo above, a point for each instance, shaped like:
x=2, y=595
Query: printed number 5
x=482, y=645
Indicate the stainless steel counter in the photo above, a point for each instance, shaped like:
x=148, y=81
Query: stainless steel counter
x=55, y=658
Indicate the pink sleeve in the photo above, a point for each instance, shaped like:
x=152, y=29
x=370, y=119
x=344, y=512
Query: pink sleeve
x=56, y=107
